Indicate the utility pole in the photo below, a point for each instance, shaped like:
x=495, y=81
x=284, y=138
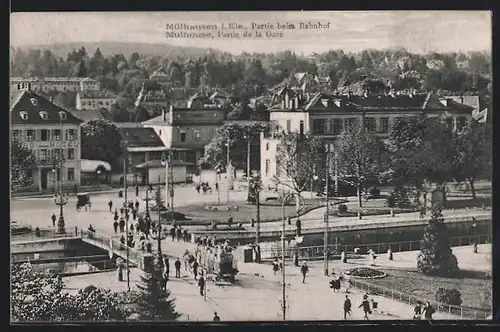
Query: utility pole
x=325, y=243
x=126, y=219
x=248, y=160
x=171, y=185
x=228, y=171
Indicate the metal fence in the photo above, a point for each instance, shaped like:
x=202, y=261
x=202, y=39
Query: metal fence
x=317, y=252
x=450, y=311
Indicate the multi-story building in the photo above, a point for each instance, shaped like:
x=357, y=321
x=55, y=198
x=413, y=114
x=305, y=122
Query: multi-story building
x=326, y=116
x=53, y=133
x=186, y=131
x=95, y=100
x=60, y=84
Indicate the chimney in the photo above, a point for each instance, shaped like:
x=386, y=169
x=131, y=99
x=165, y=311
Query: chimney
x=287, y=100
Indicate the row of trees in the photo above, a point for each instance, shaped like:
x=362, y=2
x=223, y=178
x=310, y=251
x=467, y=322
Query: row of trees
x=419, y=152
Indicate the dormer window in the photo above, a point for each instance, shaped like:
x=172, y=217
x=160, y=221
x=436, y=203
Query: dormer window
x=44, y=115
x=62, y=115
x=34, y=102
x=23, y=115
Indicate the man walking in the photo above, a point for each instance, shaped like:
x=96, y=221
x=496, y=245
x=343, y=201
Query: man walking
x=304, y=269
x=216, y=318
x=110, y=204
x=347, y=307
x=366, y=307
x=122, y=225
x=136, y=191
x=177, y=266
x=428, y=311
x=195, y=269
x=137, y=205
x=53, y=217
x=201, y=285
x=115, y=226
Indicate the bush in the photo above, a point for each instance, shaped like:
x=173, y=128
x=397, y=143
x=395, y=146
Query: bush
x=398, y=198
x=449, y=296
x=375, y=192
x=342, y=208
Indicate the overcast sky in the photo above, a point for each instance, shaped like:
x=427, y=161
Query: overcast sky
x=417, y=31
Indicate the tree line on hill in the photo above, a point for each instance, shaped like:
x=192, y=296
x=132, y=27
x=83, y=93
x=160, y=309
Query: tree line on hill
x=248, y=75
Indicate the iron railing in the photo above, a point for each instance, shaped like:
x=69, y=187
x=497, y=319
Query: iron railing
x=450, y=311
x=45, y=233
x=135, y=256
x=317, y=252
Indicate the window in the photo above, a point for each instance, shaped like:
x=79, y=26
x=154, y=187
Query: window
x=268, y=162
x=44, y=135
x=44, y=115
x=70, y=134
x=267, y=146
x=62, y=115
x=461, y=122
x=15, y=134
x=71, y=174
x=30, y=135
x=301, y=127
x=57, y=154
x=350, y=123
x=182, y=155
x=335, y=126
x=56, y=134
x=288, y=126
x=183, y=136
x=384, y=126
x=71, y=154
x=369, y=124
x=23, y=115
x=33, y=101
x=196, y=135
x=42, y=154
x=319, y=126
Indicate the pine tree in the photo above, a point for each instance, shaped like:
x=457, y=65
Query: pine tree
x=153, y=303
x=253, y=190
x=159, y=200
x=436, y=257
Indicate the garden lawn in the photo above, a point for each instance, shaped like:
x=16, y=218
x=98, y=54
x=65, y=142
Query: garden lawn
x=418, y=284
x=244, y=213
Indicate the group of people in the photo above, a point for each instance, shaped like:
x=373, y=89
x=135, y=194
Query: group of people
x=205, y=188
x=177, y=233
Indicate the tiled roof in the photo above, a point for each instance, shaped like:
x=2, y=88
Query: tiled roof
x=88, y=115
x=102, y=94
x=140, y=137
x=32, y=103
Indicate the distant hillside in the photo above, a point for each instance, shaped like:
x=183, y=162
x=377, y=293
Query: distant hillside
x=109, y=48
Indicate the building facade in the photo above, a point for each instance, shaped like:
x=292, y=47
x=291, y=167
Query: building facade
x=53, y=134
x=186, y=131
x=60, y=84
x=95, y=100
x=327, y=116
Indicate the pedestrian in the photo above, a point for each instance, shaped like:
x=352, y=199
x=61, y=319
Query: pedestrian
x=172, y=233
x=177, y=266
x=179, y=234
x=115, y=226
x=132, y=227
x=229, y=221
x=122, y=240
x=164, y=280
x=136, y=191
x=304, y=269
x=366, y=306
x=53, y=218
x=110, y=204
x=289, y=221
x=201, y=285
x=185, y=235
x=428, y=311
x=137, y=205
x=216, y=318
x=134, y=214
x=195, y=269
x=217, y=186
x=417, y=311
x=137, y=228
x=347, y=307
x=122, y=225
x=198, y=188
x=275, y=266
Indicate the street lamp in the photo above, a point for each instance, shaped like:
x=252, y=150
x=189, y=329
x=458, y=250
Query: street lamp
x=298, y=239
x=61, y=200
x=159, y=237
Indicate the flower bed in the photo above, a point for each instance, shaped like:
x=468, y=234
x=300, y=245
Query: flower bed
x=366, y=273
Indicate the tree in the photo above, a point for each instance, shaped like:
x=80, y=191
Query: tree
x=160, y=202
x=154, y=304
x=236, y=134
x=436, y=257
x=101, y=140
x=22, y=161
x=39, y=296
x=421, y=152
x=297, y=158
x=254, y=189
x=473, y=158
x=359, y=156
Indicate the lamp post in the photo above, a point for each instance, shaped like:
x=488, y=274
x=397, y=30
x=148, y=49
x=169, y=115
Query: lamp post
x=159, y=236
x=60, y=199
x=298, y=240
